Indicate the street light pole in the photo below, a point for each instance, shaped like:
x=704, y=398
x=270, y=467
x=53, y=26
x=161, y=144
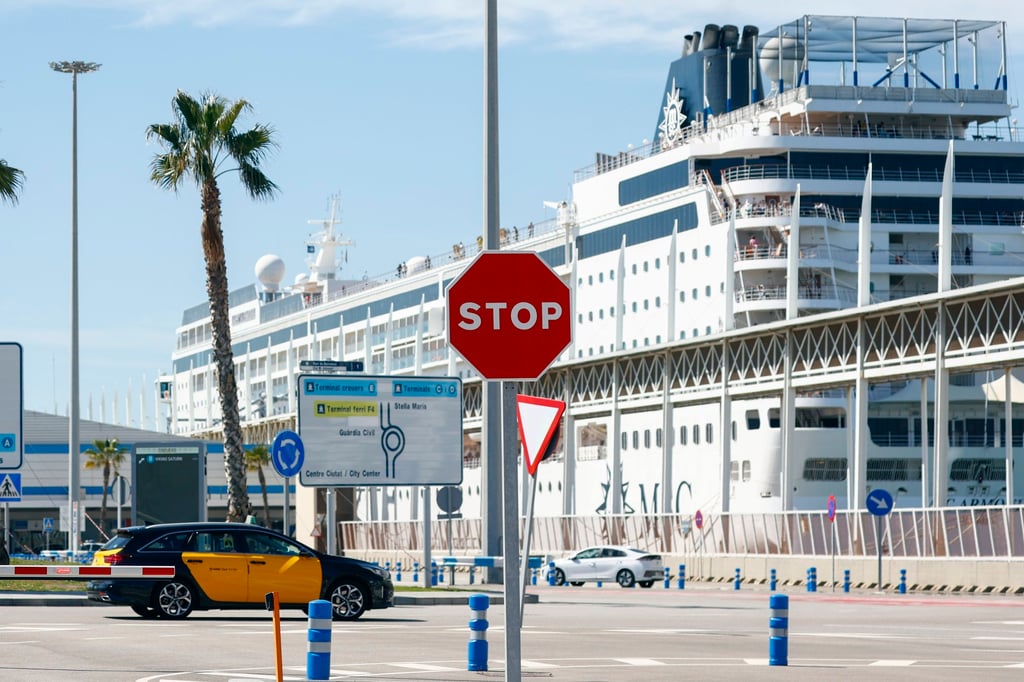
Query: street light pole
x=74, y=441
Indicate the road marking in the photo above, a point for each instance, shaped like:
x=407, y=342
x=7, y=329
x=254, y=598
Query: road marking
x=425, y=667
x=536, y=664
x=891, y=663
x=639, y=661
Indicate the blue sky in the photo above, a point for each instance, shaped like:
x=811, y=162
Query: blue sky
x=379, y=102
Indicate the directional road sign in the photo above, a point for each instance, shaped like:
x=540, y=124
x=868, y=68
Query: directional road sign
x=11, y=446
x=831, y=506
x=879, y=502
x=360, y=430
x=538, y=420
x=509, y=315
x=698, y=520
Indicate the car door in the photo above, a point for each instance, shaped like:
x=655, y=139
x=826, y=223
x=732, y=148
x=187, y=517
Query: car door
x=607, y=565
x=581, y=566
x=277, y=565
x=219, y=570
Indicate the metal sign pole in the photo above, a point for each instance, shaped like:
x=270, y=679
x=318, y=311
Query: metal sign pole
x=524, y=574
x=510, y=494
x=833, y=525
x=878, y=541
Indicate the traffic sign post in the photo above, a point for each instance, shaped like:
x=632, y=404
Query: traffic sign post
x=831, y=507
x=879, y=503
x=539, y=419
x=509, y=315
x=287, y=454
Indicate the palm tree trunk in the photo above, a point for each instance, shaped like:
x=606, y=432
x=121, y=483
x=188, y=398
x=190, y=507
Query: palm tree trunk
x=103, y=504
x=266, y=498
x=217, y=290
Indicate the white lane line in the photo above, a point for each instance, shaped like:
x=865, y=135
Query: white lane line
x=639, y=661
x=1015, y=665
x=756, y=661
x=536, y=664
x=425, y=667
x=891, y=663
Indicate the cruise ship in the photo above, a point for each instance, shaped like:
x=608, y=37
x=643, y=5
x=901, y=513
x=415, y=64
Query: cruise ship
x=793, y=171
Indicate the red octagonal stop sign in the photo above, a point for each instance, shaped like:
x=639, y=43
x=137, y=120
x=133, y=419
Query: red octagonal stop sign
x=509, y=315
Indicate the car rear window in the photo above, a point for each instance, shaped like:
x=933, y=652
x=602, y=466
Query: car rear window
x=172, y=542
x=117, y=542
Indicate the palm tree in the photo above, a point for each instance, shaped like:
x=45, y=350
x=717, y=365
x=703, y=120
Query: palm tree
x=11, y=181
x=200, y=143
x=106, y=455
x=255, y=460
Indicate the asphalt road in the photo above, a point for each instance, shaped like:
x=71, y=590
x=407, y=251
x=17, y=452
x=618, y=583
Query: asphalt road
x=572, y=634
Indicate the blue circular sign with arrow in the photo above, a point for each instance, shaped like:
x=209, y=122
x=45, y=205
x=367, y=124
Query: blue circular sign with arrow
x=287, y=453
x=879, y=502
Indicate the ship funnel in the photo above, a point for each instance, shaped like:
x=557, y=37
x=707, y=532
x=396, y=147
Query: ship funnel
x=748, y=41
x=711, y=33
x=687, y=44
x=729, y=37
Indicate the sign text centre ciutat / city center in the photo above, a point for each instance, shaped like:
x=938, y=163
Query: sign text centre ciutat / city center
x=380, y=430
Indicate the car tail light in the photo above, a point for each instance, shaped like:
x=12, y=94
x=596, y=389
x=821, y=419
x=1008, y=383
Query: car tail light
x=651, y=557
x=113, y=559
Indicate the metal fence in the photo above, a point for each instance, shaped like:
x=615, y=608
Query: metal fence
x=960, y=532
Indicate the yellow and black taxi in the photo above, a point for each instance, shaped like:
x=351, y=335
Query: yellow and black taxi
x=233, y=566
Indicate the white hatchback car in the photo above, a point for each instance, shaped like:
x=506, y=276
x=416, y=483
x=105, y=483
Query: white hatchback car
x=624, y=565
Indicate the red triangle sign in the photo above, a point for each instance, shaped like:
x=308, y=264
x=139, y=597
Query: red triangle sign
x=538, y=420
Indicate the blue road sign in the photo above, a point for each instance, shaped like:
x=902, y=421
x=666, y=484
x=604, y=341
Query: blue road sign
x=879, y=502
x=831, y=507
x=10, y=487
x=287, y=453
x=48, y=524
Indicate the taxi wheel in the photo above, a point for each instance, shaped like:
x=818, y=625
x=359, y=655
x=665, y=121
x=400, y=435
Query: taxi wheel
x=348, y=599
x=144, y=611
x=625, y=578
x=174, y=600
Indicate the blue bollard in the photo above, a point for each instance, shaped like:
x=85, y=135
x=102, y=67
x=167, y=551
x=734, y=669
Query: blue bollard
x=903, y=581
x=433, y=574
x=477, y=650
x=551, y=573
x=778, y=630
x=668, y=578
x=533, y=576
x=681, y=581
x=472, y=575
x=599, y=583
x=440, y=575
x=812, y=579
x=415, y=571
x=318, y=656
x=846, y=580
x=736, y=580
x=387, y=566
x=398, y=571
x=772, y=583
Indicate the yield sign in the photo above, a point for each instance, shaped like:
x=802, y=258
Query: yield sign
x=538, y=420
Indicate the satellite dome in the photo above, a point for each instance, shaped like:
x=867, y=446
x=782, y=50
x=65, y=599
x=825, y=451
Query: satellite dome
x=270, y=271
x=301, y=278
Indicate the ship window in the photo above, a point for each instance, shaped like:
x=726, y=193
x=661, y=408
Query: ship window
x=773, y=418
x=682, y=435
x=590, y=280
x=580, y=282
x=600, y=350
x=682, y=334
x=734, y=471
x=696, y=434
x=636, y=440
x=732, y=429
x=634, y=306
x=693, y=294
x=581, y=318
x=694, y=254
x=707, y=330
x=600, y=277
x=708, y=433
x=825, y=469
x=657, y=301
x=657, y=264
x=978, y=469
x=611, y=312
x=634, y=268
x=696, y=332
x=600, y=314
x=647, y=304
x=894, y=469
x=707, y=250
x=707, y=291
x=635, y=343
x=753, y=420
x=889, y=431
x=682, y=256
x=647, y=438
x=721, y=287
x=657, y=339
x=590, y=316
x=682, y=296
x=657, y=438
x=645, y=267
x=625, y=440
x=647, y=341
x=746, y=470
x=611, y=275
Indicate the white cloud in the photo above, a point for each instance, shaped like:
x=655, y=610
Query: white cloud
x=556, y=25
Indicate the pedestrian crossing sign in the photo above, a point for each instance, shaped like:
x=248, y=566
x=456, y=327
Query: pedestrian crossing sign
x=10, y=488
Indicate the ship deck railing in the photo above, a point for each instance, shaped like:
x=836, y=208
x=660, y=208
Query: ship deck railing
x=859, y=174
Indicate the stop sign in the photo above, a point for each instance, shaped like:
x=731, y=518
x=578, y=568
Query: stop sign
x=509, y=315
